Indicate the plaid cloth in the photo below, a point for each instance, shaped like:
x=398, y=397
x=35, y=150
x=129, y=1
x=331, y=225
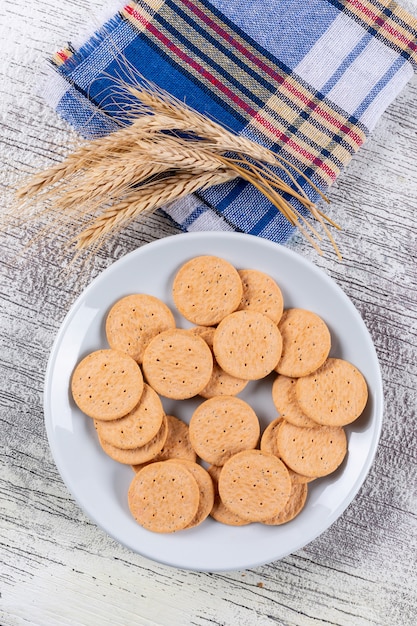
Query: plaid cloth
x=307, y=79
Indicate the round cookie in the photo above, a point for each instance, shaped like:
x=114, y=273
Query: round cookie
x=334, y=395
x=254, y=485
x=261, y=293
x=311, y=451
x=164, y=497
x=285, y=402
x=137, y=427
x=134, y=320
x=205, y=332
x=221, y=383
x=205, y=485
x=269, y=445
x=177, y=444
x=294, y=506
x=206, y=289
x=268, y=440
x=306, y=343
x=137, y=456
x=177, y=364
x=247, y=345
x=107, y=384
x=222, y=426
x=219, y=511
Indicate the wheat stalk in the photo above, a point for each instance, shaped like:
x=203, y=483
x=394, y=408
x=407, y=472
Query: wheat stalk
x=157, y=101
x=109, y=181
x=117, y=176
x=150, y=198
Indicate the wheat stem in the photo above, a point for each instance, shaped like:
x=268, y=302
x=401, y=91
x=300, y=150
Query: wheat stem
x=150, y=197
x=107, y=182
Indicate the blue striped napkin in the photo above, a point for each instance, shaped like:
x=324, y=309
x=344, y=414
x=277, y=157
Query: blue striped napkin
x=307, y=79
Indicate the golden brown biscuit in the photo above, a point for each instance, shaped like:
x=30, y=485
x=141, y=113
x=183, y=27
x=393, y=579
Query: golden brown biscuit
x=134, y=320
x=107, y=384
x=261, y=293
x=334, y=395
x=306, y=342
x=269, y=444
x=177, y=444
x=247, y=345
x=177, y=364
x=222, y=426
x=285, y=402
x=206, y=289
x=140, y=455
x=164, y=496
x=205, y=484
x=254, y=485
x=220, y=512
x=221, y=383
x=294, y=506
x=137, y=427
x=311, y=451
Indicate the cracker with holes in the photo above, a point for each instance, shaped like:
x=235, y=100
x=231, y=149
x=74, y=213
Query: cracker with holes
x=137, y=427
x=206, y=289
x=222, y=426
x=261, y=293
x=312, y=452
x=107, y=384
x=254, y=485
x=293, y=507
x=164, y=497
x=177, y=364
x=241, y=333
x=221, y=383
x=335, y=395
x=306, y=343
x=247, y=345
x=269, y=445
x=140, y=455
x=285, y=402
x=134, y=320
x=219, y=511
x=177, y=444
x=206, y=487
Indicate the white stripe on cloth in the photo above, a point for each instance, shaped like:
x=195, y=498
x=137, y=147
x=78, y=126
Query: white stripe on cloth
x=101, y=56
x=209, y=220
x=182, y=212
x=362, y=75
x=330, y=51
x=386, y=95
x=53, y=87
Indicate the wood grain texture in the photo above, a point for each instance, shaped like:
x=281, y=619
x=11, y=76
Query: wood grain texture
x=56, y=566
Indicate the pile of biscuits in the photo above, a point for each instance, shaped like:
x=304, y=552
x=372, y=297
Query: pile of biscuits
x=220, y=464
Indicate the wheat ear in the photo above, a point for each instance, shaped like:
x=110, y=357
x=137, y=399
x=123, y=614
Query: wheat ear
x=150, y=197
x=111, y=180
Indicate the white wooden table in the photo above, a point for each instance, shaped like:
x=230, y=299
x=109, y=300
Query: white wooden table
x=56, y=567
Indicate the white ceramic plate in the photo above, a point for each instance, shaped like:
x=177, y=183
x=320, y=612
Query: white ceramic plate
x=100, y=485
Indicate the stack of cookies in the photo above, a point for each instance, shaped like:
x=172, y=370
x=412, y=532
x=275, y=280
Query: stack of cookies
x=220, y=464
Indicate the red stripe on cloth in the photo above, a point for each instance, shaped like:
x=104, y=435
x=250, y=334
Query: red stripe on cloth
x=383, y=24
x=230, y=94
x=314, y=106
x=62, y=55
x=280, y=79
x=192, y=63
x=315, y=160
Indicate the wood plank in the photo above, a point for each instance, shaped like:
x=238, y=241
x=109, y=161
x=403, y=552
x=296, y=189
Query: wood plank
x=56, y=566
